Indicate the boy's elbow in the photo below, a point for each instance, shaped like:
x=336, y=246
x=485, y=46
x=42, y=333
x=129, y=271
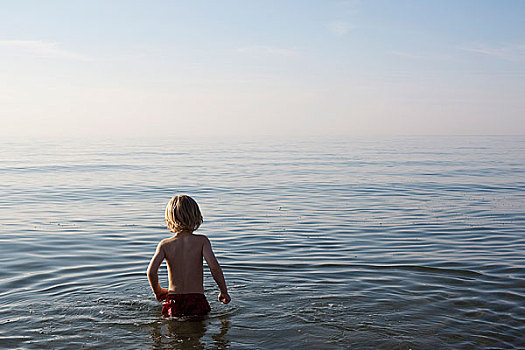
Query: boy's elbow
x=151, y=272
x=215, y=268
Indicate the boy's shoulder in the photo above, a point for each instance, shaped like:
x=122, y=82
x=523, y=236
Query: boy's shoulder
x=194, y=236
x=166, y=240
x=200, y=237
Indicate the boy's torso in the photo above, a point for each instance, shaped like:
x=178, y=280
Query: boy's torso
x=183, y=254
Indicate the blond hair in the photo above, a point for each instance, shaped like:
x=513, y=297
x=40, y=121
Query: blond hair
x=183, y=214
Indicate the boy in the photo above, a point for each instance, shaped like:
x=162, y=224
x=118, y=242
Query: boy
x=183, y=253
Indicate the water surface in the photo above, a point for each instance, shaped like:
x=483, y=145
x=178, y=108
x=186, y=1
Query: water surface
x=408, y=242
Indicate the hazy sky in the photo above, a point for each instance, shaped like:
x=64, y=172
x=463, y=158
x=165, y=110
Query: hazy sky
x=283, y=68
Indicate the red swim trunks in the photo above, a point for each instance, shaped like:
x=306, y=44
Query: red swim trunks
x=192, y=304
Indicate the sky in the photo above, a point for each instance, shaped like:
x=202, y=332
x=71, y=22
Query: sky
x=261, y=68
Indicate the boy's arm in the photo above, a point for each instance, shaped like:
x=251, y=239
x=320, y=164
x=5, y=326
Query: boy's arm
x=216, y=271
x=153, y=278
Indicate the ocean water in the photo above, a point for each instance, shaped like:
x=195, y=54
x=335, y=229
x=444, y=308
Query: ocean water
x=388, y=243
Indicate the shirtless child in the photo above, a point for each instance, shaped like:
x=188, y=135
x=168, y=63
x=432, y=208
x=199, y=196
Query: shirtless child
x=183, y=253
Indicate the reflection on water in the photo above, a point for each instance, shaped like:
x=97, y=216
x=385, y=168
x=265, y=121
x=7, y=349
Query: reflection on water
x=388, y=243
x=188, y=335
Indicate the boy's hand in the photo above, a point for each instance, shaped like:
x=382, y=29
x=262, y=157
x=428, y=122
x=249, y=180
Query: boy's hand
x=224, y=297
x=161, y=294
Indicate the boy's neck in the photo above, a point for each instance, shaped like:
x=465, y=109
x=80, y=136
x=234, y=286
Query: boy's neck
x=183, y=233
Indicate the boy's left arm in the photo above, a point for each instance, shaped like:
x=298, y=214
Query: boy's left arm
x=153, y=278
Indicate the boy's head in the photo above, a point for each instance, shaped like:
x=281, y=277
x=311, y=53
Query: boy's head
x=183, y=214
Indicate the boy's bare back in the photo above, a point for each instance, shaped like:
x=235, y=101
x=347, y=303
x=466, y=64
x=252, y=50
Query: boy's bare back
x=183, y=253
x=184, y=259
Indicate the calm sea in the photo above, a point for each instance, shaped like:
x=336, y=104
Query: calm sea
x=391, y=243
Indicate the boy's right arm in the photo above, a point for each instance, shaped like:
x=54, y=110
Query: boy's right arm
x=153, y=278
x=216, y=271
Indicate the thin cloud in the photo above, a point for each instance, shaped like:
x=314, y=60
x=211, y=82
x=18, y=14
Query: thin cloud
x=339, y=28
x=41, y=48
x=349, y=7
x=429, y=56
x=514, y=53
x=259, y=50
x=406, y=54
